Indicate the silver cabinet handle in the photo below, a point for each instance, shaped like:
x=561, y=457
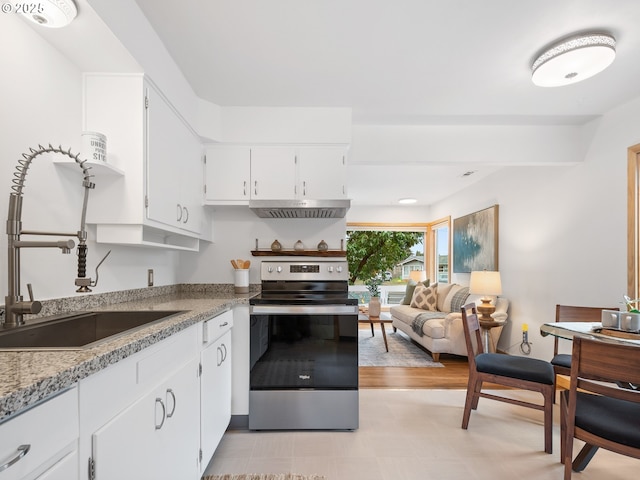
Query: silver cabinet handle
x=22, y=451
x=186, y=214
x=255, y=187
x=164, y=412
x=179, y=216
x=224, y=357
x=304, y=189
x=224, y=324
x=220, y=357
x=173, y=396
x=244, y=188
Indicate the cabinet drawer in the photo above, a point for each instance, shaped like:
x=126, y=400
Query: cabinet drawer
x=46, y=429
x=176, y=351
x=217, y=326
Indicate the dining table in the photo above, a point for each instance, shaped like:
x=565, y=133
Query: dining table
x=592, y=330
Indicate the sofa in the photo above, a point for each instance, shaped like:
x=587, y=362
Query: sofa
x=430, y=315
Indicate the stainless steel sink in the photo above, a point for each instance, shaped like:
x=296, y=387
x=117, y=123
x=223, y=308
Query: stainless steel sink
x=78, y=331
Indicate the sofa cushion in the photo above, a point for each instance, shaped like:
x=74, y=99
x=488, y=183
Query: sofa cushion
x=405, y=313
x=443, y=290
x=430, y=324
x=424, y=298
x=455, y=298
x=434, y=328
x=408, y=293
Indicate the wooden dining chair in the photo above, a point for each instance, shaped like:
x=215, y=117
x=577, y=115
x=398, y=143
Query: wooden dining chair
x=599, y=412
x=565, y=313
x=508, y=370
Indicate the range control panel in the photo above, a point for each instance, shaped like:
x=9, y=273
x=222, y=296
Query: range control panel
x=304, y=270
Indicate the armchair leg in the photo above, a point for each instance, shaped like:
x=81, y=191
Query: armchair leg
x=436, y=357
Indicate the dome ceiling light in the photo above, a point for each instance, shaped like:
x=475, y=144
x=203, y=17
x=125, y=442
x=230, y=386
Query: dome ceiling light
x=573, y=60
x=51, y=13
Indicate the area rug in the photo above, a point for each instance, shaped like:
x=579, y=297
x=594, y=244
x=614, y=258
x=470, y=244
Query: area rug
x=264, y=476
x=402, y=351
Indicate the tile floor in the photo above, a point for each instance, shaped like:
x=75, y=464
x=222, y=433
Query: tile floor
x=416, y=434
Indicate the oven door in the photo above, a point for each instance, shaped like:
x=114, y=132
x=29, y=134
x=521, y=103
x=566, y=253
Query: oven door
x=304, y=347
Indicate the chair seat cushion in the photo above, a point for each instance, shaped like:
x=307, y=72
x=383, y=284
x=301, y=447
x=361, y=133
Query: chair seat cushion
x=512, y=366
x=610, y=418
x=562, y=360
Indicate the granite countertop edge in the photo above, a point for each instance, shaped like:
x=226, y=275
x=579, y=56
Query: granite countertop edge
x=29, y=377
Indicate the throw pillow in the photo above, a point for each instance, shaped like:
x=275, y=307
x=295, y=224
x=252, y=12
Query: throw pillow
x=408, y=293
x=443, y=290
x=456, y=298
x=424, y=297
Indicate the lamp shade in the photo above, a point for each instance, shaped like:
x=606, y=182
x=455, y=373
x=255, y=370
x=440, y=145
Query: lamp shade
x=418, y=275
x=485, y=283
x=573, y=60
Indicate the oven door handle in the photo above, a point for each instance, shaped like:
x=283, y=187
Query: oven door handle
x=304, y=310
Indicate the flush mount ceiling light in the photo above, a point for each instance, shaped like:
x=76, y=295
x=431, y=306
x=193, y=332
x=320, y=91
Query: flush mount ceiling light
x=51, y=13
x=407, y=201
x=573, y=60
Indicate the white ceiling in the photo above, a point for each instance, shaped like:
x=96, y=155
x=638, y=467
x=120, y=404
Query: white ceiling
x=433, y=62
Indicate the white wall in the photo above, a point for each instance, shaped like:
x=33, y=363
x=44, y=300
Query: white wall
x=235, y=232
x=41, y=97
x=562, y=230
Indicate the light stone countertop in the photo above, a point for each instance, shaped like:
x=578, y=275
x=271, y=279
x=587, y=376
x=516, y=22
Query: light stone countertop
x=27, y=377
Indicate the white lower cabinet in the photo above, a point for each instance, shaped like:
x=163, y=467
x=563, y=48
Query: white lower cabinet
x=42, y=442
x=215, y=383
x=140, y=417
x=156, y=437
x=160, y=413
x=65, y=469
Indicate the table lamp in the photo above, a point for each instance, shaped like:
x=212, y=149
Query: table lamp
x=418, y=275
x=486, y=284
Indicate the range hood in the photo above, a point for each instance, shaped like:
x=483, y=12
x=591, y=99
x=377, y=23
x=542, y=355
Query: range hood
x=300, y=208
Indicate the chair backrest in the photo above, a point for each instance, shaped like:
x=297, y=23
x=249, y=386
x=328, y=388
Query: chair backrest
x=471, y=328
x=567, y=313
x=608, y=362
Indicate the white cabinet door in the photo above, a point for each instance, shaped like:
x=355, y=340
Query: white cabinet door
x=215, y=394
x=174, y=168
x=228, y=175
x=156, y=437
x=192, y=185
x=273, y=173
x=163, y=161
x=322, y=173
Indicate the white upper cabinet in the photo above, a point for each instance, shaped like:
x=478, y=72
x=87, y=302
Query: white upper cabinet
x=322, y=173
x=236, y=174
x=174, y=166
x=158, y=199
x=273, y=173
x=228, y=175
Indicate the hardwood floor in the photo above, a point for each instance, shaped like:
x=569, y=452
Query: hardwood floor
x=455, y=374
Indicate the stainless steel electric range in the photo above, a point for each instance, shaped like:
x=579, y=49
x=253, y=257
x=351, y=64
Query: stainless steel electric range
x=304, y=348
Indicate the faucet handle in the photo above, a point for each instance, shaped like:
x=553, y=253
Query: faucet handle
x=30, y=289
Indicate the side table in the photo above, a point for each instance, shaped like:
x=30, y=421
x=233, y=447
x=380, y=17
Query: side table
x=486, y=326
x=385, y=317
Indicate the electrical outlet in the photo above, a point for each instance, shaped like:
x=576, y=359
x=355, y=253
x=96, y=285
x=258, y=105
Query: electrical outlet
x=150, y=277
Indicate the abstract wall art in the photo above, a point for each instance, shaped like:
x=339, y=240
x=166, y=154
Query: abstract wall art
x=475, y=241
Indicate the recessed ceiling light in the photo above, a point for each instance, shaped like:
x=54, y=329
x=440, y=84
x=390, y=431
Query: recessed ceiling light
x=51, y=13
x=406, y=201
x=573, y=60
